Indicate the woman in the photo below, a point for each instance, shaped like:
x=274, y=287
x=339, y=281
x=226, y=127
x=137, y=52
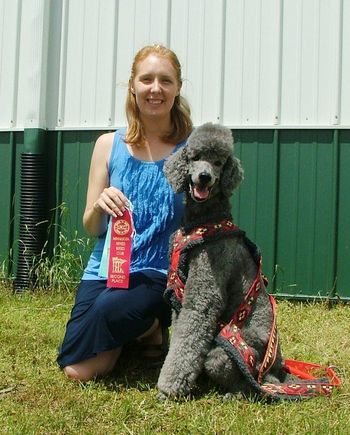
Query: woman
x=126, y=167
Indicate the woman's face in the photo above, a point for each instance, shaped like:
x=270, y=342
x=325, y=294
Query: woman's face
x=155, y=86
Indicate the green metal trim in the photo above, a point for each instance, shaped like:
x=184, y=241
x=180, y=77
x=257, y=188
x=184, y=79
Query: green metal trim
x=254, y=203
x=276, y=142
x=10, y=270
x=34, y=140
x=7, y=199
x=307, y=206
x=58, y=188
x=343, y=227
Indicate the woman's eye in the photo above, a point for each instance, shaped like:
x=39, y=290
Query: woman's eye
x=145, y=79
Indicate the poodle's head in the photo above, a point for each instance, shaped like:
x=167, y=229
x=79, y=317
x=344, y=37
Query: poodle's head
x=206, y=165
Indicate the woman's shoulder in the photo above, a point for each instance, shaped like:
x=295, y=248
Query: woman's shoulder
x=105, y=140
x=103, y=147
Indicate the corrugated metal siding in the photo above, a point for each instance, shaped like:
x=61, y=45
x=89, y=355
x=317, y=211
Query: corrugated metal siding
x=307, y=211
x=259, y=63
x=11, y=144
x=255, y=202
x=74, y=149
x=7, y=168
x=253, y=63
x=343, y=229
x=197, y=36
x=10, y=20
x=294, y=202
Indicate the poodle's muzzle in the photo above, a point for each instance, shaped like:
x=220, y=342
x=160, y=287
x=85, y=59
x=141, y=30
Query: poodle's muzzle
x=202, y=180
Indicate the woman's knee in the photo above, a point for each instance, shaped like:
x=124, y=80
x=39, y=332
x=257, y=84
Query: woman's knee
x=89, y=369
x=77, y=372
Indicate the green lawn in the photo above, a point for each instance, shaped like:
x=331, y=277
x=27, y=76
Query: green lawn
x=35, y=397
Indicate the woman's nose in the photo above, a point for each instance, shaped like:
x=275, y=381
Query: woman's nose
x=155, y=86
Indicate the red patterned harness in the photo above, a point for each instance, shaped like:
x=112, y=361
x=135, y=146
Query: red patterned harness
x=229, y=334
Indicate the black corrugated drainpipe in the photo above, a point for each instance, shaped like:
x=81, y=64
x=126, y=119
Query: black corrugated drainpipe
x=33, y=208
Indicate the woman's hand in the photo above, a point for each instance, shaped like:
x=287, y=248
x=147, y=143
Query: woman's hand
x=111, y=201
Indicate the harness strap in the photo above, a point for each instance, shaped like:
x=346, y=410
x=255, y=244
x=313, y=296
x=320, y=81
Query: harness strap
x=272, y=345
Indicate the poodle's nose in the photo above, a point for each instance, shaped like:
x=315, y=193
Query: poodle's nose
x=204, y=177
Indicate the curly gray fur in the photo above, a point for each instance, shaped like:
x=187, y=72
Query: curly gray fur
x=220, y=272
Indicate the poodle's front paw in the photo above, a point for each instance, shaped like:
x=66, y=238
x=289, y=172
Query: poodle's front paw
x=162, y=397
x=174, y=391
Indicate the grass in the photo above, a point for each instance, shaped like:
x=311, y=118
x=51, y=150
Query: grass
x=35, y=397
x=62, y=269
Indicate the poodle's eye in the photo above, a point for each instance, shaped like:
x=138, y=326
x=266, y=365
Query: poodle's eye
x=195, y=158
x=217, y=163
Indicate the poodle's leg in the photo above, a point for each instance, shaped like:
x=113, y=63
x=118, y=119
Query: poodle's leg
x=190, y=342
x=223, y=371
x=192, y=337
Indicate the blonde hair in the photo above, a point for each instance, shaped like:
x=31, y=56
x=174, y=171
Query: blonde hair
x=180, y=112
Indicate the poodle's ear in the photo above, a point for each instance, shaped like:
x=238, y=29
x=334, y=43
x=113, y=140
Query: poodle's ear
x=176, y=170
x=232, y=175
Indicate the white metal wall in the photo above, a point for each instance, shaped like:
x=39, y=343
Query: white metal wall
x=64, y=64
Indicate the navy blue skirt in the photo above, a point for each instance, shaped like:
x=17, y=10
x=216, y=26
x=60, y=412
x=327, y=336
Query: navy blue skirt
x=103, y=318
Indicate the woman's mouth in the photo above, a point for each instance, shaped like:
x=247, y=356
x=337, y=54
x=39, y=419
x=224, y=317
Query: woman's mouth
x=154, y=102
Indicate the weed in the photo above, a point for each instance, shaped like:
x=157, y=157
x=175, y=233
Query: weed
x=62, y=269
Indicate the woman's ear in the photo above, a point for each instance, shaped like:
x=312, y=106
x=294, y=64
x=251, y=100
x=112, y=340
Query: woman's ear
x=176, y=170
x=131, y=86
x=231, y=176
x=179, y=88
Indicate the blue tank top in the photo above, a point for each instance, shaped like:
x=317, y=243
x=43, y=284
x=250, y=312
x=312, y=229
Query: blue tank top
x=157, y=210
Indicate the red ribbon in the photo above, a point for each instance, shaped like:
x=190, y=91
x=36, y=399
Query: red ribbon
x=120, y=251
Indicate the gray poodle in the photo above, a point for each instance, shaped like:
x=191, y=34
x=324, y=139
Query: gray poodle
x=223, y=319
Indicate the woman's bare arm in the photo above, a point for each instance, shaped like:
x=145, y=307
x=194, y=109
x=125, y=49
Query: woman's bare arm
x=102, y=200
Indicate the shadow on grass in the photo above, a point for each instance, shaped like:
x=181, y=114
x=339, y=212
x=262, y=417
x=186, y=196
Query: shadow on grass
x=132, y=372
